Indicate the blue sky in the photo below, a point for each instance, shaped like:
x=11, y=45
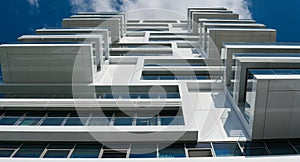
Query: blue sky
x=21, y=17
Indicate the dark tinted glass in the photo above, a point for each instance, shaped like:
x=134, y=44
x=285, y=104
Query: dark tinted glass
x=114, y=154
x=53, y=121
x=30, y=150
x=75, y=121
x=8, y=120
x=30, y=121
x=6, y=153
x=57, y=154
x=86, y=151
x=280, y=148
x=143, y=151
x=227, y=149
x=172, y=151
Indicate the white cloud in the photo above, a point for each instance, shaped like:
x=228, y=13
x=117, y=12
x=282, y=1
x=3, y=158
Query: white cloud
x=34, y=3
x=92, y=5
x=180, y=6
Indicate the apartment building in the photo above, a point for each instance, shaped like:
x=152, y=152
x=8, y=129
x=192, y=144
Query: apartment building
x=105, y=87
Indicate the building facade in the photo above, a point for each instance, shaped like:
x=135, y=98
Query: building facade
x=212, y=87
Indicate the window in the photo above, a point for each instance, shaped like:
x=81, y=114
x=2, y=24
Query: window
x=200, y=153
x=30, y=150
x=53, y=121
x=55, y=118
x=10, y=118
x=75, y=121
x=199, y=149
x=172, y=151
x=86, y=151
x=175, y=77
x=58, y=150
x=227, y=149
x=254, y=148
x=169, y=116
x=30, y=121
x=7, y=149
x=98, y=121
x=280, y=148
x=146, y=121
x=108, y=153
x=123, y=121
x=141, y=95
x=142, y=46
x=172, y=121
x=143, y=151
x=32, y=118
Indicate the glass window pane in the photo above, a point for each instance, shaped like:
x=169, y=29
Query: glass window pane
x=114, y=154
x=57, y=114
x=146, y=121
x=280, y=148
x=123, y=121
x=30, y=151
x=60, y=146
x=99, y=121
x=144, y=95
x=201, y=77
x=183, y=77
x=173, y=151
x=57, y=154
x=109, y=95
x=86, y=151
x=255, y=151
x=198, y=145
x=252, y=144
x=150, y=77
x=8, y=121
x=80, y=114
x=14, y=113
x=12, y=145
x=30, y=121
x=36, y=114
x=167, y=77
x=113, y=146
x=200, y=153
x=52, y=121
x=227, y=149
x=173, y=95
x=6, y=153
x=143, y=151
x=172, y=121
x=75, y=121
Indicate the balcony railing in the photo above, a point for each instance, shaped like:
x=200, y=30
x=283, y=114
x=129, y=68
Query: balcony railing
x=91, y=121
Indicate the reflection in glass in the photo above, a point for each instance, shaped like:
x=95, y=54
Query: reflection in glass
x=172, y=151
x=30, y=121
x=227, y=149
x=86, y=151
x=52, y=121
x=143, y=151
x=30, y=151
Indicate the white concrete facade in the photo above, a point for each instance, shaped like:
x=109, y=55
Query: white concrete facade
x=157, y=85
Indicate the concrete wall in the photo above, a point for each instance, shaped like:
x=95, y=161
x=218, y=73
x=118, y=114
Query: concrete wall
x=206, y=15
x=217, y=36
x=109, y=23
x=105, y=33
x=96, y=40
x=42, y=63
